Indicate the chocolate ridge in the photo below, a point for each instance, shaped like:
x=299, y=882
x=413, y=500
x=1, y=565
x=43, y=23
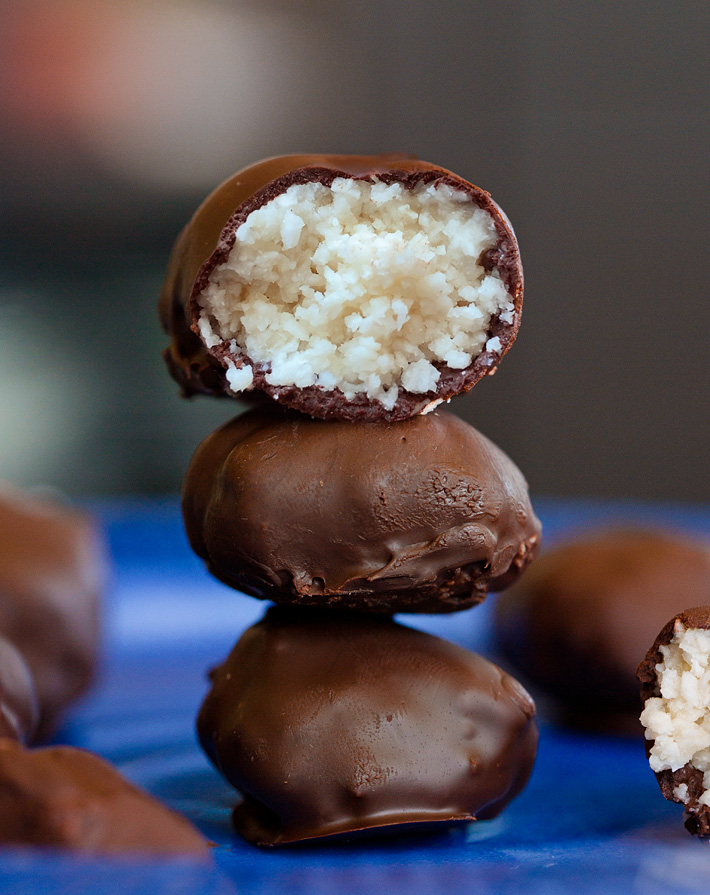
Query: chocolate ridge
x=19, y=712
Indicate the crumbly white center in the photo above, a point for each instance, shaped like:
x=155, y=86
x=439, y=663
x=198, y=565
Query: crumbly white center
x=679, y=719
x=360, y=286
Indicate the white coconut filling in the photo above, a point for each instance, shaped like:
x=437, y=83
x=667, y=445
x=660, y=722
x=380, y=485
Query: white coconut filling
x=679, y=719
x=360, y=286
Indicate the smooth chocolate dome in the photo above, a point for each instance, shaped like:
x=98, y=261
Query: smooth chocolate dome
x=580, y=621
x=422, y=515
x=333, y=724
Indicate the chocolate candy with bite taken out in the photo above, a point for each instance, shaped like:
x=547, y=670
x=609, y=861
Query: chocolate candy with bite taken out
x=349, y=287
x=675, y=693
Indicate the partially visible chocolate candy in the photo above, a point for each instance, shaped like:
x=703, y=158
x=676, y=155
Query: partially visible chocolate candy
x=18, y=702
x=68, y=798
x=580, y=621
x=335, y=724
x=52, y=571
x=350, y=287
x=675, y=692
x=418, y=516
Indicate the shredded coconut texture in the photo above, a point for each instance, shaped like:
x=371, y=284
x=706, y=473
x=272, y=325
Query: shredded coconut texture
x=358, y=286
x=679, y=719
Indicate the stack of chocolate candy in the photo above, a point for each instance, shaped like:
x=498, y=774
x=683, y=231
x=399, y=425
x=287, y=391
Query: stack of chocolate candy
x=348, y=297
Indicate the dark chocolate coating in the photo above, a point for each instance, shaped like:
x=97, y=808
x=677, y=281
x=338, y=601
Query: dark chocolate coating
x=697, y=815
x=52, y=570
x=417, y=516
x=581, y=619
x=332, y=724
x=18, y=702
x=68, y=798
x=209, y=236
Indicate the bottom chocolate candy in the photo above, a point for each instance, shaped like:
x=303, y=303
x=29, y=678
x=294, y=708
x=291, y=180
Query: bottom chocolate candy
x=68, y=798
x=332, y=725
x=675, y=689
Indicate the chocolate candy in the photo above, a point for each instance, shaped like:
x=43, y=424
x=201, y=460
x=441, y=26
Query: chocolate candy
x=333, y=724
x=18, y=702
x=418, y=516
x=350, y=287
x=675, y=691
x=52, y=570
x=68, y=798
x=581, y=619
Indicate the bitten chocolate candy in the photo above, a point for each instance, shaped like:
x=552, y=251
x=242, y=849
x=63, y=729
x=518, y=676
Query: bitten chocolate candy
x=52, y=570
x=418, y=516
x=333, y=724
x=350, y=287
x=581, y=619
x=18, y=702
x=69, y=798
x=675, y=691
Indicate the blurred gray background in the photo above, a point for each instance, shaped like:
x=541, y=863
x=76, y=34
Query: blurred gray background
x=588, y=122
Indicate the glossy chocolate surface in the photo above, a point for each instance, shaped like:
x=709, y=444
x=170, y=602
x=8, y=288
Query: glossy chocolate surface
x=580, y=621
x=697, y=814
x=422, y=515
x=68, y=798
x=18, y=702
x=332, y=724
x=208, y=238
x=52, y=570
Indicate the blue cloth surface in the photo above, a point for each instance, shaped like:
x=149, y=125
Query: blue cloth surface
x=591, y=820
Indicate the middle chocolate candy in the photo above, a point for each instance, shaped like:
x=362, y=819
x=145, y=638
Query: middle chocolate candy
x=417, y=516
